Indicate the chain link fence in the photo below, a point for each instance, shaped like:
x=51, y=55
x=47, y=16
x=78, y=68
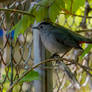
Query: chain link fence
x=16, y=57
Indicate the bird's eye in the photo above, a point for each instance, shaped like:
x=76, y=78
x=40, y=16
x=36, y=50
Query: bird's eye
x=41, y=26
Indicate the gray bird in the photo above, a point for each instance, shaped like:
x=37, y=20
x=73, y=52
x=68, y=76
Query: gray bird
x=57, y=40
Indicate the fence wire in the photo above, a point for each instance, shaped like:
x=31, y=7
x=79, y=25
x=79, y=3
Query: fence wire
x=16, y=57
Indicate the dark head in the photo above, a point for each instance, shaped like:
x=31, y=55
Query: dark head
x=43, y=26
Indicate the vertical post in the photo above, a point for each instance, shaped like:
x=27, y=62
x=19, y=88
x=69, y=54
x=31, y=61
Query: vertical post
x=46, y=85
x=48, y=75
x=39, y=55
x=46, y=82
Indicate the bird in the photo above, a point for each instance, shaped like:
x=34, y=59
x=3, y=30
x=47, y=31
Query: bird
x=58, y=39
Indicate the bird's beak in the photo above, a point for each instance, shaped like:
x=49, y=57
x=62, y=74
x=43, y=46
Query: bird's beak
x=35, y=28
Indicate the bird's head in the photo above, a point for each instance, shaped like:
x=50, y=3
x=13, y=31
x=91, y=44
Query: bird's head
x=43, y=26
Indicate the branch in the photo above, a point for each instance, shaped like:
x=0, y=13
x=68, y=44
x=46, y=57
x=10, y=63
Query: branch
x=73, y=62
x=87, y=10
x=45, y=61
x=84, y=30
x=29, y=70
x=16, y=11
x=26, y=13
x=69, y=13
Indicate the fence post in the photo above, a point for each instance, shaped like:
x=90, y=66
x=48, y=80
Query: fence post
x=39, y=54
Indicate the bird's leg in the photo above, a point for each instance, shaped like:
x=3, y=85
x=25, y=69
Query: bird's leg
x=62, y=56
x=55, y=55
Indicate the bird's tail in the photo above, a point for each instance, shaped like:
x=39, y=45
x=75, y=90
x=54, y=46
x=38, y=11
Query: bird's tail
x=83, y=39
x=85, y=42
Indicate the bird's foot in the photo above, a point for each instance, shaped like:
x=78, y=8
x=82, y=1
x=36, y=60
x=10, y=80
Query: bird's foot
x=55, y=55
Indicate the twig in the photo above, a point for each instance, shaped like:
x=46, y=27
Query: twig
x=30, y=69
x=87, y=68
x=45, y=61
x=83, y=67
x=16, y=11
x=84, y=30
x=87, y=10
x=27, y=13
x=74, y=14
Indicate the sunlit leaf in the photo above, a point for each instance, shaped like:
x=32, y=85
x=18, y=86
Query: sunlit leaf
x=33, y=75
x=22, y=25
x=77, y=4
x=55, y=9
x=42, y=13
x=73, y=5
x=86, y=51
x=46, y=3
x=67, y=4
x=52, y=13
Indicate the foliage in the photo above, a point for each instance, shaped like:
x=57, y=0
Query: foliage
x=33, y=75
x=46, y=9
x=86, y=51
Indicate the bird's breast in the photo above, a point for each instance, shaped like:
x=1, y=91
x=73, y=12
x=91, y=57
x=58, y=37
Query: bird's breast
x=51, y=44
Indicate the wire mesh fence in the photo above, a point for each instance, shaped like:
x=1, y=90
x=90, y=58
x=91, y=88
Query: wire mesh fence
x=16, y=57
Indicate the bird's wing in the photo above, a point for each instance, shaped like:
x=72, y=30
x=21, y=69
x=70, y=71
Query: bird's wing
x=62, y=35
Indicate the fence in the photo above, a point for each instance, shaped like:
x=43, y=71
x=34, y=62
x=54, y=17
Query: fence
x=16, y=57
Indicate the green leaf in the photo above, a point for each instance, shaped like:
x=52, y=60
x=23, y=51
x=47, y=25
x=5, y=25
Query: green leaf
x=60, y=4
x=52, y=13
x=55, y=9
x=2, y=79
x=46, y=3
x=67, y=4
x=42, y=13
x=77, y=4
x=86, y=51
x=33, y=75
x=22, y=25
